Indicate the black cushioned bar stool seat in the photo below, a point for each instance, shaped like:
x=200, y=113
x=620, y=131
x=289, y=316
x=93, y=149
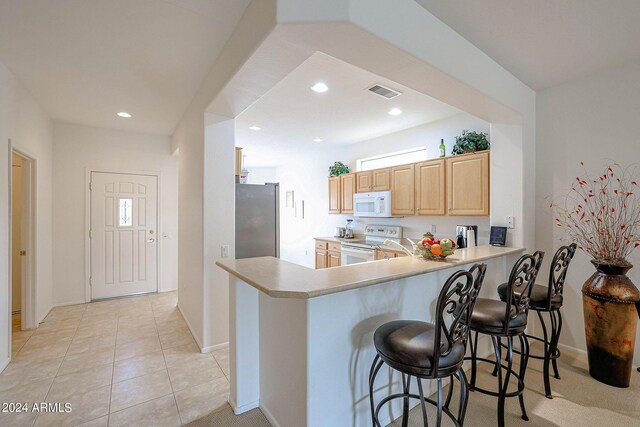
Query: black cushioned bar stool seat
x=488, y=317
x=539, y=297
x=408, y=345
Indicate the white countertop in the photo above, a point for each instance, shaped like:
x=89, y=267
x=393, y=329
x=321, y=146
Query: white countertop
x=282, y=279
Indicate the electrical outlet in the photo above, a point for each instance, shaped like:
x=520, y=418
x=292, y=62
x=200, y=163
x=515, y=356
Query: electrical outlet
x=433, y=229
x=224, y=251
x=509, y=222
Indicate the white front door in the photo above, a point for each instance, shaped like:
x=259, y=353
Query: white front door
x=124, y=234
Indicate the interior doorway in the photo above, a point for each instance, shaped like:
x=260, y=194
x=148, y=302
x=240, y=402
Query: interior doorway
x=22, y=301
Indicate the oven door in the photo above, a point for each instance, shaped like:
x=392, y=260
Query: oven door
x=351, y=255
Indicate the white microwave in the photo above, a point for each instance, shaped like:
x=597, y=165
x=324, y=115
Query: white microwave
x=372, y=205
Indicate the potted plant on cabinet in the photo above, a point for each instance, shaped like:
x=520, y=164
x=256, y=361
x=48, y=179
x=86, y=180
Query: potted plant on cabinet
x=470, y=142
x=338, y=168
x=602, y=215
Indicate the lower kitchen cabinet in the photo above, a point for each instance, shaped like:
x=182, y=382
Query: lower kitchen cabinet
x=327, y=254
x=321, y=259
x=333, y=259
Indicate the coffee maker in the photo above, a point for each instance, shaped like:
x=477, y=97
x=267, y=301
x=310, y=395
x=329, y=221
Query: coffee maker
x=462, y=234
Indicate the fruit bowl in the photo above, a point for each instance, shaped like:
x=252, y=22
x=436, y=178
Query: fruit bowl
x=434, y=249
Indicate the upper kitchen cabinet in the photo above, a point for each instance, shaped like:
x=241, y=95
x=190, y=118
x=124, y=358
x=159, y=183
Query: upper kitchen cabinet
x=380, y=180
x=430, y=188
x=403, y=190
x=468, y=184
x=347, y=190
x=363, y=182
x=334, y=194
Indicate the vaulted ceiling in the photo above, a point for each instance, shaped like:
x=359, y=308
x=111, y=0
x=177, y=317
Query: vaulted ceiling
x=84, y=61
x=547, y=42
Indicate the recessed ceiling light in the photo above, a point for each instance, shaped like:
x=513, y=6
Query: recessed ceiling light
x=320, y=87
x=124, y=114
x=254, y=127
x=317, y=139
x=395, y=112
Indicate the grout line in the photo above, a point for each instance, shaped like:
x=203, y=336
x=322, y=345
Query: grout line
x=175, y=400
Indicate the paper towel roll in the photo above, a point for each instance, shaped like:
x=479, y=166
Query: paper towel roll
x=471, y=238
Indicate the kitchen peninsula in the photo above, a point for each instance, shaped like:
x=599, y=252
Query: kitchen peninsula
x=301, y=339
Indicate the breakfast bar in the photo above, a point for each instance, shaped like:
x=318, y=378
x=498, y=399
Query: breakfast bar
x=301, y=339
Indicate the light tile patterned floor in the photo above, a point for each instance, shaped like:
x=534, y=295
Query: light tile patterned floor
x=122, y=362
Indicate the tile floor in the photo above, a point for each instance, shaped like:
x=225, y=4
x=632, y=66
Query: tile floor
x=129, y=361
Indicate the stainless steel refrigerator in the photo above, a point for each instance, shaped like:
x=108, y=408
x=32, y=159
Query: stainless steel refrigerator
x=257, y=220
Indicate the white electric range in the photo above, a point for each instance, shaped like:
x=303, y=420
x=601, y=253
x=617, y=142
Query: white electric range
x=364, y=250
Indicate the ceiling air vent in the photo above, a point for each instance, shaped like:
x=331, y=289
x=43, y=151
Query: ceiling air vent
x=384, y=92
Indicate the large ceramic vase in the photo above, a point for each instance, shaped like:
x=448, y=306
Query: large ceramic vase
x=610, y=319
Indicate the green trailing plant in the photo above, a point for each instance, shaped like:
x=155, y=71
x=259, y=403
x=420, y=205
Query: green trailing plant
x=470, y=142
x=338, y=168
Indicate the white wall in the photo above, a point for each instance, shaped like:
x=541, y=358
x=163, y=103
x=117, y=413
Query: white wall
x=306, y=174
x=24, y=122
x=219, y=188
x=261, y=175
x=77, y=148
x=194, y=297
x=594, y=120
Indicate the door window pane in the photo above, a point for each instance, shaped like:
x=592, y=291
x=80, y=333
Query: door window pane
x=125, y=216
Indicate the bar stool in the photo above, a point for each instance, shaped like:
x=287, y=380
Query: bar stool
x=506, y=319
x=430, y=351
x=549, y=299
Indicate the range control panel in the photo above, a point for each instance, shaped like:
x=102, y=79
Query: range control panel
x=386, y=231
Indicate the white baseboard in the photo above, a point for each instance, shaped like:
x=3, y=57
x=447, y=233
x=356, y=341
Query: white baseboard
x=186, y=320
x=4, y=364
x=64, y=304
x=238, y=410
x=211, y=348
x=268, y=416
x=46, y=313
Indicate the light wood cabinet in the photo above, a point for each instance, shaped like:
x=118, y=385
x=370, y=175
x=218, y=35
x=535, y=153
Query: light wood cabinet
x=456, y=185
x=327, y=254
x=468, y=184
x=375, y=180
x=430, y=188
x=321, y=259
x=333, y=259
x=347, y=190
x=403, y=190
x=334, y=194
x=363, y=182
x=380, y=180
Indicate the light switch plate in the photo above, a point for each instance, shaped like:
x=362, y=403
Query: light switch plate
x=509, y=222
x=224, y=251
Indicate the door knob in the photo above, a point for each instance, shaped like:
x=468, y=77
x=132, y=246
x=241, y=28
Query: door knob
x=151, y=240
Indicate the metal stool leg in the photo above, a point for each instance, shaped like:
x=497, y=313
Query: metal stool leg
x=464, y=396
x=495, y=368
x=498, y=351
x=524, y=360
x=406, y=385
x=375, y=367
x=423, y=404
x=545, y=366
x=474, y=352
x=554, y=349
